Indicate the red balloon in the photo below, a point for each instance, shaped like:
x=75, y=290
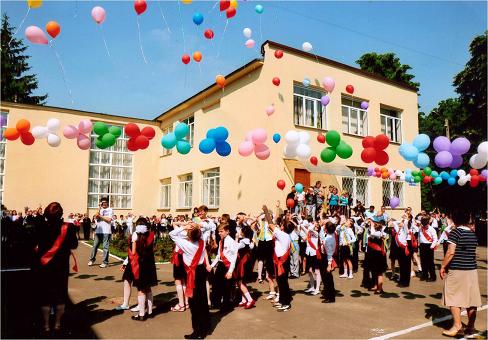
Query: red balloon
x=209, y=34
x=314, y=160
x=378, y=174
x=278, y=54
x=224, y=4
x=427, y=179
x=381, y=157
x=148, y=132
x=131, y=145
x=27, y=138
x=368, y=142
x=141, y=142
x=473, y=172
x=482, y=179
x=230, y=12
x=276, y=81
x=474, y=181
x=281, y=184
x=321, y=138
x=377, y=169
x=350, y=89
x=185, y=59
x=368, y=155
x=290, y=203
x=132, y=130
x=381, y=142
x=140, y=6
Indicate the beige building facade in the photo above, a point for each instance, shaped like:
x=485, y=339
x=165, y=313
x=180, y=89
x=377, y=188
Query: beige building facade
x=156, y=180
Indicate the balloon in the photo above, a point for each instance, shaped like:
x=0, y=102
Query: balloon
x=281, y=184
x=108, y=139
x=457, y=161
x=230, y=12
x=115, y=131
x=259, y=9
x=276, y=81
x=438, y=180
x=474, y=181
x=422, y=160
x=333, y=138
x=325, y=100
x=250, y=43
x=100, y=128
x=52, y=125
x=444, y=175
x=224, y=4
x=168, y=141
x=299, y=187
x=220, y=134
x=247, y=32
x=11, y=134
x=314, y=160
x=290, y=203
x=381, y=157
x=421, y=142
x=327, y=155
x=427, y=171
x=306, y=46
x=270, y=110
x=451, y=181
x=483, y=149
x=183, y=147
x=278, y=54
x=34, y=3
x=35, y=35
x=385, y=175
x=306, y=82
x=53, y=29
x=276, y=138
x=197, y=56
x=85, y=126
x=209, y=34
x=141, y=142
x=460, y=146
x=206, y=146
x=410, y=152
x=473, y=172
x=477, y=162
x=426, y=179
x=344, y=150
x=185, y=59
x=41, y=132
x=328, y=83
x=350, y=89
x=290, y=151
x=131, y=145
x=140, y=6
x=234, y=4
x=292, y=138
x=261, y=151
x=443, y=159
x=53, y=140
x=364, y=105
x=381, y=142
x=417, y=179
x=197, y=18
x=98, y=14
x=220, y=80
x=245, y=148
x=394, y=202
x=69, y=132
x=83, y=142
x=303, y=151
x=28, y=139
x=99, y=143
x=132, y=130
x=259, y=136
x=368, y=142
x=304, y=137
x=321, y=138
x=453, y=173
x=148, y=132
x=441, y=143
x=181, y=130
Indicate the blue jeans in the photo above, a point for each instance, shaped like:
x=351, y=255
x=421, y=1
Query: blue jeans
x=99, y=238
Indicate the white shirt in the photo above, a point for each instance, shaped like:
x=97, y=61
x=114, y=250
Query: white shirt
x=369, y=214
x=301, y=197
x=102, y=226
x=189, y=248
x=402, y=234
x=329, y=245
x=264, y=234
x=314, y=239
x=230, y=252
x=243, y=242
x=346, y=235
x=444, y=235
x=130, y=223
x=208, y=229
x=434, y=223
x=282, y=242
x=431, y=232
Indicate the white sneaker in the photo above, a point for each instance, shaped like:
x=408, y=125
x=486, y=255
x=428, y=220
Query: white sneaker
x=343, y=276
x=103, y=265
x=277, y=305
x=309, y=290
x=270, y=296
x=135, y=309
x=315, y=292
x=277, y=298
x=350, y=276
x=90, y=263
x=284, y=308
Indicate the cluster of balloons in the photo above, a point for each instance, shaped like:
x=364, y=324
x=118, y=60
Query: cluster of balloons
x=138, y=139
x=21, y=130
x=386, y=173
x=337, y=147
x=414, y=151
x=177, y=138
x=230, y=7
x=297, y=145
x=449, y=154
x=438, y=178
x=474, y=177
x=254, y=142
x=216, y=140
x=247, y=32
x=81, y=133
x=107, y=136
x=374, y=149
x=50, y=132
x=36, y=35
x=479, y=160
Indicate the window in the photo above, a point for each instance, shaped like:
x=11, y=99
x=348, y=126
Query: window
x=3, y=145
x=357, y=186
x=392, y=189
x=354, y=119
x=165, y=202
x=110, y=174
x=167, y=130
x=186, y=191
x=190, y=121
x=391, y=124
x=211, y=188
x=307, y=109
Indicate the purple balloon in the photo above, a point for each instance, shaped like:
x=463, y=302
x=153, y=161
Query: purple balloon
x=443, y=159
x=370, y=171
x=457, y=161
x=442, y=143
x=325, y=100
x=484, y=173
x=460, y=146
x=3, y=121
x=394, y=202
x=364, y=105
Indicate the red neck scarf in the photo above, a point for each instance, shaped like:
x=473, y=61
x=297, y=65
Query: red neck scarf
x=310, y=243
x=426, y=234
x=190, y=270
x=279, y=261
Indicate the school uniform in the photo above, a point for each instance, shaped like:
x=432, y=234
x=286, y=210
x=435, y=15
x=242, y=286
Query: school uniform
x=179, y=272
x=265, y=247
x=404, y=252
x=376, y=254
x=294, y=255
x=244, y=268
x=225, y=262
x=311, y=250
x=428, y=242
x=346, y=239
x=142, y=263
x=358, y=232
x=302, y=243
x=327, y=249
x=282, y=245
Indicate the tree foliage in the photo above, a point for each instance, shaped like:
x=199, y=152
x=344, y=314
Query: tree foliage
x=17, y=85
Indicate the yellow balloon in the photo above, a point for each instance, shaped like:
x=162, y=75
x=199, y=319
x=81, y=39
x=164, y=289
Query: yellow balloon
x=34, y=3
x=233, y=3
x=186, y=2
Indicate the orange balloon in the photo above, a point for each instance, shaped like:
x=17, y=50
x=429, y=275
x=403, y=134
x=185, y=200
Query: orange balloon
x=197, y=56
x=385, y=175
x=11, y=134
x=23, y=125
x=220, y=80
x=53, y=28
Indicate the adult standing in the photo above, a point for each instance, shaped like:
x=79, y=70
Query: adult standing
x=103, y=232
x=319, y=196
x=458, y=270
x=86, y=227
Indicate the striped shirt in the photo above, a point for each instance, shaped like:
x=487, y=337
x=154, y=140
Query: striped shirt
x=465, y=255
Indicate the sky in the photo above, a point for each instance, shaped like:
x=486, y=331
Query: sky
x=432, y=37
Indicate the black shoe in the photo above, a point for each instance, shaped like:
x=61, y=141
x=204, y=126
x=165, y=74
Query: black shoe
x=402, y=285
x=150, y=316
x=138, y=317
x=431, y=279
x=191, y=336
x=423, y=278
x=328, y=301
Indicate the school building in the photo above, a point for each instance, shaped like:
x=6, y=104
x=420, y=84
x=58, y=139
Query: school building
x=155, y=180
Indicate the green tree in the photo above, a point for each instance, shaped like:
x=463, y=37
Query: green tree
x=387, y=65
x=17, y=85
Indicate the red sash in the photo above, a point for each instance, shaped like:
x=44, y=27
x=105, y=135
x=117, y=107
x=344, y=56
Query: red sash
x=415, y=244
x=134, y=258
x=175, y=259
x=48, y=256
x=242, y=264
x=377, y=247
x=309, y=240
x=190, y=270
x=224, y=259
x=401, y=245
x=278, y=262
x=426, y=235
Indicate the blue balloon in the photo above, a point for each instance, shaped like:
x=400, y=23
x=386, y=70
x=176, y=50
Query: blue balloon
x=306, y=82
x=422, y=160
x=410, y=152
x=197, y=18
x=276, y=138
x=408, y=171
x=451, y=181
x=408, y=177
x=259, y=9
x=207, y=145
x=168, y=141
x=434, y=174
x=421, y=142
x=211, y=134
x=181, y=130
x=223, y=148
x=453, y=173
x=220, y=134
x=444, y=175
x=183, y=147
x=299, y=187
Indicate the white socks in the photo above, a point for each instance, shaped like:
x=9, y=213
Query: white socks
x=149, y=302
x=317, y=280
x=260, y=269
x=126, y=294
x=248, y=297
x=181, y=297
x=311, y=280
x=186, y=297
x=141, y=299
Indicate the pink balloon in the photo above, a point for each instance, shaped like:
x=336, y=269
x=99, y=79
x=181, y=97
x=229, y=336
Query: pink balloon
x=83, y=142
x=85, y=126
x=70, y=132
x=250, y=43
x=35, y=35
x=393, y=176
x=328, y=83
x=262, y=151
x=259, y=136
x=98, y=14
x=270, y=110
x=245, y=148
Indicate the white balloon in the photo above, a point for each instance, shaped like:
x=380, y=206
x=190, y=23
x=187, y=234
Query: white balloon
x=477, y=161
x=292, y=138
x=290, y=151
x=53, y=140
x=39, y=132
x=483, y=148
x=398, y=173
x=306, y=46
x=461, y=173
x=53, y=125
x=303, y=151
x=402, y=177
x=304, y=137
x=462, y=181
x=247, y=32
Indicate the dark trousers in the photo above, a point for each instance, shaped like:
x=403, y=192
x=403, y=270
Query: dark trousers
x=328, y=280
x=222, y=288
x=367, y=275
x=427, y=261
x=200, y=316
x=405, y=263
x=86, y=232
x=355, y=256
x=283, y=287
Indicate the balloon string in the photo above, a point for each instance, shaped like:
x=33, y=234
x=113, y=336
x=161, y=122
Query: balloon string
x=222, y=39
x=104, y=41
x=140, y=41
x=164, y=18
x=215, y=5
x=260, y=29
x=76, y=10
x=51, y=44
x=182, y=30
x=18, y=28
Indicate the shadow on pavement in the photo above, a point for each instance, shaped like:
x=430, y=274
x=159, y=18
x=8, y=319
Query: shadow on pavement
x=411, y=296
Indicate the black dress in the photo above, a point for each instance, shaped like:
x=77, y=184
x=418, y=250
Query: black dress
x=147, y=266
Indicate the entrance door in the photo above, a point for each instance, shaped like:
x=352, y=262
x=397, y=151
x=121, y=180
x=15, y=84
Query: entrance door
x=302, y=176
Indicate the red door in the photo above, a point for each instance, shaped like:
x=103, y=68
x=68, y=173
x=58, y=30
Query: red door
x=302, y=176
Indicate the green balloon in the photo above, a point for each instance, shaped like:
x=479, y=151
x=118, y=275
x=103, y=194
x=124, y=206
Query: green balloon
x=437, y=180
x=427, y=171
x=416, y=173
x=333, y=138
x=183, y=147
x=115, y=130
x=181, y=130
x=417, y=179
x=328, y=155
x=99, y=143
x=108, y=139
x=100, y=128
x=168, y=141
x=344, y=150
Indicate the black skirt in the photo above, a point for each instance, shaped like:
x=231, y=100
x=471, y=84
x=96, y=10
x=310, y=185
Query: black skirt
x=312, y=262
x=376, y=262
x=179, y=272
x=128, y=275
x=345, y=252
x=394, y=250
x=147, y=272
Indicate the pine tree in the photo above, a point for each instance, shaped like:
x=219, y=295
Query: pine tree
x=17, y=85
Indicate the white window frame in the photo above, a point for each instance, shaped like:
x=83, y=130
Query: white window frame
x=391, y=190
x=211, y=178
x=185, y=191
x=165, y=198
x=355, y=185
x=317, y=105
x=395, y=136
x=190, y=121
x=167, y=130
x=2, y=155
x=363, y=129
